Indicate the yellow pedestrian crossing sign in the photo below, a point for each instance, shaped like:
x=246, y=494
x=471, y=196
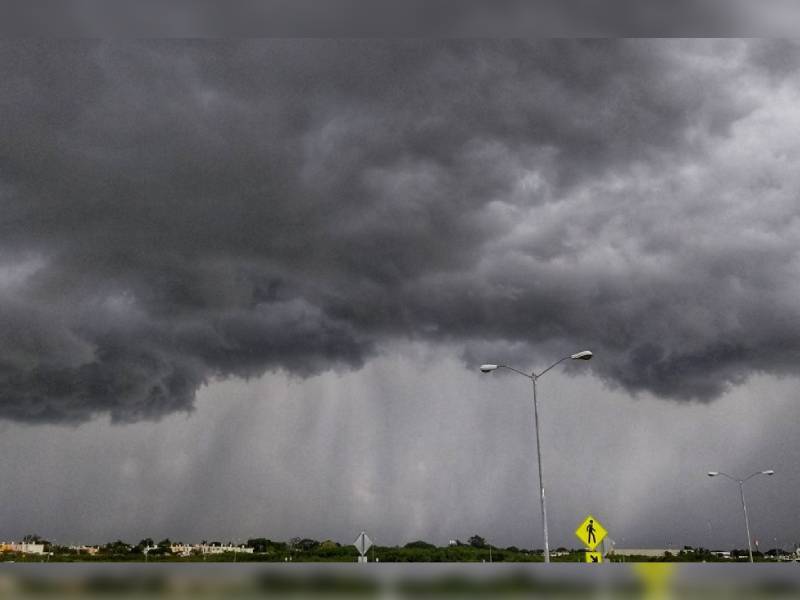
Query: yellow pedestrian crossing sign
x=590, y=532
x=593, y=557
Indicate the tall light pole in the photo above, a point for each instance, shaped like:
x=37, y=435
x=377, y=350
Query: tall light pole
x=744, y=504
x=534, y=377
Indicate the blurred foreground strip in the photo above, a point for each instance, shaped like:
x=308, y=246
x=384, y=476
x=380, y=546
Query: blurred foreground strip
x=398, y=581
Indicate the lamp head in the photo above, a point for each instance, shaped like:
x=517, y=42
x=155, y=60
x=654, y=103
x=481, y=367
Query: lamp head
x=488, y=368
x=713, y=473
x=583, y=355
x=768, y=472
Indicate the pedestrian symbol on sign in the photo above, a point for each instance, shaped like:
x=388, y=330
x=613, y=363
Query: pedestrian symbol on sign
x=590, y=536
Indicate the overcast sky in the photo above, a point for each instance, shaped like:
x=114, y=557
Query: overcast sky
x=244, y=288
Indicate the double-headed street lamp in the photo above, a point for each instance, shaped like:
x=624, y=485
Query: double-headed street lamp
x=584, y=355
x=744, y=505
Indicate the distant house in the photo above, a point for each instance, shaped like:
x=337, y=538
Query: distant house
x=90, y=550
x=22, y=547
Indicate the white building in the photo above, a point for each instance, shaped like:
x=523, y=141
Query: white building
x=22, y=547
x=183, y=549
x=648, y=552
x=214, y=548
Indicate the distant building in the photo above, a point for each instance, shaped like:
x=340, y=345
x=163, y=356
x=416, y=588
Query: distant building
x=648, y=552
x=216, y=548
x=22, y=547
x=183, y=549
x=90, y=550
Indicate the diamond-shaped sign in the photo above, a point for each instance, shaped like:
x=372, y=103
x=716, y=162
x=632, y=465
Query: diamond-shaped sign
x=363, y=543
x=590, y=532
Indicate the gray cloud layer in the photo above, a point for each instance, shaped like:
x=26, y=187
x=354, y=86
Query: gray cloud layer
x=178, y=211
x=415, y=18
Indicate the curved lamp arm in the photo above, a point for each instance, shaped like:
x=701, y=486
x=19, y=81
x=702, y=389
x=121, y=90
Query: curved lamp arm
x=558, y=362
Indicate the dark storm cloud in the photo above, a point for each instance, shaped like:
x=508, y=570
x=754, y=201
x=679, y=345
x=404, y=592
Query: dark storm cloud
x=176, y=212
x=380, y=18
x=415, y=18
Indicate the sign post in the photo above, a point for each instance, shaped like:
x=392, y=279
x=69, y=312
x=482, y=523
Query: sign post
x=362, y=544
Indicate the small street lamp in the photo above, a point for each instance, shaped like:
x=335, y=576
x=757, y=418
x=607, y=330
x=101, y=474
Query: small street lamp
x=741, y=494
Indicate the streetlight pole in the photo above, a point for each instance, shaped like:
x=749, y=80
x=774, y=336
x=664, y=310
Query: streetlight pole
x=744, y=504
x=533, y=376
x=746, y=521
x=541, y=479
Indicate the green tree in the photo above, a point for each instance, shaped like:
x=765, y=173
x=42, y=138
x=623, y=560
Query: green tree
x=328, y=545
x=477, y=541
x=420, y=544
x=306, y=545
x=259, y=545
x=116, y=548
x=163, y=548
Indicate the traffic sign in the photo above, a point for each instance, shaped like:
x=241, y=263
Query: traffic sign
x=362, y=543
x=593, y=557
x=590, y=532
